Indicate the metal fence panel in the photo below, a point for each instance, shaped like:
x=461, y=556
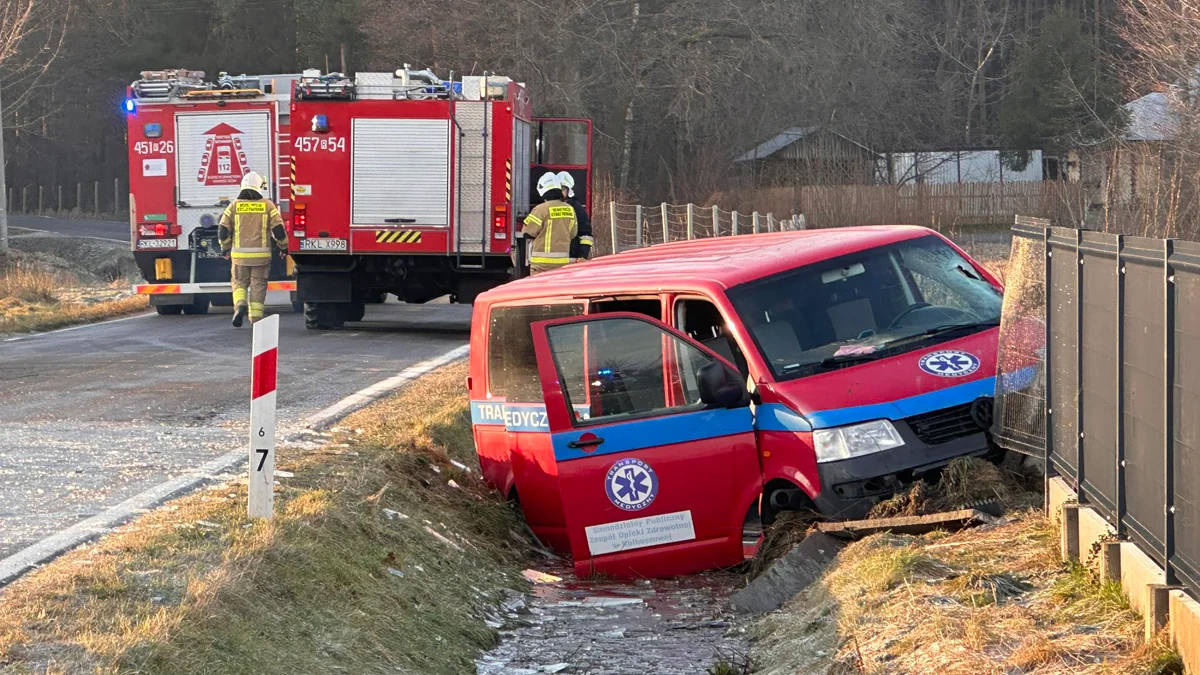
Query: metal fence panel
x=1021, y=368
x=1098, y=375
x=1186, y=427
x=1062, y=308
x=1143, y=390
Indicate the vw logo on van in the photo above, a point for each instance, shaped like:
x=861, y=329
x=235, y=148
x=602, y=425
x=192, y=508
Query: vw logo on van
x=631, y=484
x=949, y=363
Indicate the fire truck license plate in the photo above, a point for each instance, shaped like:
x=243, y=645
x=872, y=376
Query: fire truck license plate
x=157, y=243
x=322, y=244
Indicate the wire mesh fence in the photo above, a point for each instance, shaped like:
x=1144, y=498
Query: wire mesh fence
x=631, y=226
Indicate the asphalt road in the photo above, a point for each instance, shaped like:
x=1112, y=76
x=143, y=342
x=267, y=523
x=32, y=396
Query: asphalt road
x=103, y=229
x=94, y=415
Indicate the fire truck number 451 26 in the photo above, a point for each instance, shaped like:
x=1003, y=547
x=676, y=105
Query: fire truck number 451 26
x=322, y=144
x=154, y=147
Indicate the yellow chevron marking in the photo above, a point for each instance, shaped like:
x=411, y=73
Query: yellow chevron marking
x=397, y=237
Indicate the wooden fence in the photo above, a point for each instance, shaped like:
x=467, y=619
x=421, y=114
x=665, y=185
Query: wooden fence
x=942, y=207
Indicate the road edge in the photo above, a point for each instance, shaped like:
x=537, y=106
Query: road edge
x=48, y=548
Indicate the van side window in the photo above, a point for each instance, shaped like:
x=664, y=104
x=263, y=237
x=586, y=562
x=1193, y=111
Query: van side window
x=512, y=364
x=702, y=321
x=627, y=368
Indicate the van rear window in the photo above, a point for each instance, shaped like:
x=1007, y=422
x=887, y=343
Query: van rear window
x=512, y=365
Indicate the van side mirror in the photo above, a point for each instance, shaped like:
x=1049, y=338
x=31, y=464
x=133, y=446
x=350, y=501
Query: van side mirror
x=721, y=387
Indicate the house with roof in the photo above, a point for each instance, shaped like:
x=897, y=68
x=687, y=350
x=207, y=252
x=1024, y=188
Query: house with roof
x=809, y=155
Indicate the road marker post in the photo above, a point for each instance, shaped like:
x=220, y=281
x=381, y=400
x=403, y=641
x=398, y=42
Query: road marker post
x=262, y=417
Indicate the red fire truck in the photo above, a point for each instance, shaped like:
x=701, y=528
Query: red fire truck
x=408, y=184
x=190, y=143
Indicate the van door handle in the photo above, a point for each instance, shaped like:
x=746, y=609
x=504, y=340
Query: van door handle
x=586, y=442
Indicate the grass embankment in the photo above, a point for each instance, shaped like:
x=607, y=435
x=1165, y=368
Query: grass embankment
x=992, y=600
x=374, y=563
x=32, y=299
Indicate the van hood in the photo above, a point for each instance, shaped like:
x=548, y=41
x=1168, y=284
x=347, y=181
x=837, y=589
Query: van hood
x=941, y=375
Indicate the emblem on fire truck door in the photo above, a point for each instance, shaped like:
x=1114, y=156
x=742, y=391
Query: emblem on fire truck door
x=224, y=160
x=631, y=485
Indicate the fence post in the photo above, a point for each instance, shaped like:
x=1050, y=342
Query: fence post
x=770, y=222
x=666, y=223
x=24, y=199
x=1046, y=355
x=1078, y=294
x=12, y=198
x=754, y=220
x=96, y=198
x=691, y=220
x=637, y=241
x=116, y=196
x=612, y=217
x=716, y=221
x=733, y=224
x=1119, y=408
x=1169, y=412
x=60, y=200
x=79, y=197
x=41, y=197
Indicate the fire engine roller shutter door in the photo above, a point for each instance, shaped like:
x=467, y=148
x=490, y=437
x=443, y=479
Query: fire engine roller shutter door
x=400, y=172
x=214, y=151
x=217, y=149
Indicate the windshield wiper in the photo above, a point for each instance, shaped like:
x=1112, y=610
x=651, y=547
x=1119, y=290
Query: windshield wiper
x=949, y=329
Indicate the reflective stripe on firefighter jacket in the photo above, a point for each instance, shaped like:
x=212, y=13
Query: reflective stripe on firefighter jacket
x=552, y=225
x=247, y=228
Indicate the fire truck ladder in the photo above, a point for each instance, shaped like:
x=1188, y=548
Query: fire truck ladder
x=473, y=161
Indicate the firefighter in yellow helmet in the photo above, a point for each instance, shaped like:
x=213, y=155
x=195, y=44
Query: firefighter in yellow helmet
x=249, y=225
x=551, y=226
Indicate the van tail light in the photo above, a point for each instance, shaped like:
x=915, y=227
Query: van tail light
x=300, y=220
x=500, y=223
x=158, y=230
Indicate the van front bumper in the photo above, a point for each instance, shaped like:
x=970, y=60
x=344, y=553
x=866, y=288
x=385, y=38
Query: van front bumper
x=850, y=487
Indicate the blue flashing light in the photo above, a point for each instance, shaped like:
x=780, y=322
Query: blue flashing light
x=130, y=106
x=605, y=372
x=320, y=124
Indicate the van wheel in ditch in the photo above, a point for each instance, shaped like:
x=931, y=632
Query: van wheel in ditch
x=355, y=311
x=323, y=316
x=198, y=306
x=374, y=298
x=169, y=310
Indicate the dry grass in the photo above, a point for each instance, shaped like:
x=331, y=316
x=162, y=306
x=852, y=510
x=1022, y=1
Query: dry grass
x=989, y=600
x=195, y=587
x=33, y=299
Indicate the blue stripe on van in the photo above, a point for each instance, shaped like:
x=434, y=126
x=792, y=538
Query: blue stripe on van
x=905, y=407
x=779, y=417
x=656, y=431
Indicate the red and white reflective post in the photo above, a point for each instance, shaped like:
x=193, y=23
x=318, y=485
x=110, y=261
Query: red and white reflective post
x=262, y=417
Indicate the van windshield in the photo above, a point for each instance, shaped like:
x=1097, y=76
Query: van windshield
x=865, y=306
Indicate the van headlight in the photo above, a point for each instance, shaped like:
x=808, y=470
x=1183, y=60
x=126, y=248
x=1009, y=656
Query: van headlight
x=855, y=441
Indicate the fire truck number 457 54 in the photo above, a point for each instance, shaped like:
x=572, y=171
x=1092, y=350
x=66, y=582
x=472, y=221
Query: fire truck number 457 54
x=310, y=144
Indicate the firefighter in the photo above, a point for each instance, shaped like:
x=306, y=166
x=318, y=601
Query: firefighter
x=551, y=227
x=249, y=225
x=581, y=245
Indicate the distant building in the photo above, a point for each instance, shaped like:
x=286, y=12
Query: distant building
x=1130, y=171
x=809, y=155
x=959, y=166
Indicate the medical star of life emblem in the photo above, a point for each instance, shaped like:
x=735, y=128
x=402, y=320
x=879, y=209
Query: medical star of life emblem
x=949, y=363
x=631, y=484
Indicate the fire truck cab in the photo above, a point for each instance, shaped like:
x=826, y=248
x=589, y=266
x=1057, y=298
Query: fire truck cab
x=190, y=143
x=408, y=184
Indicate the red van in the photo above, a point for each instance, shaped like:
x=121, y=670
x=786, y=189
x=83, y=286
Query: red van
x=646, y=409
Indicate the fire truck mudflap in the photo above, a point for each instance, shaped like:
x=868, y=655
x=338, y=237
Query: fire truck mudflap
x=408, y=184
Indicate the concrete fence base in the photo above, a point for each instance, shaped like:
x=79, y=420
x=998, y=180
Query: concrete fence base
x=1088, y=538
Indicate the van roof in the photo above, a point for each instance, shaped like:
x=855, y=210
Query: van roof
x=702, y=264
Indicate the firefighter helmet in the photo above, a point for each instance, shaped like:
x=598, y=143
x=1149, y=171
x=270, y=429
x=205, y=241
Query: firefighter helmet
x=253, y=181
x=567, y=181
x=548, y=182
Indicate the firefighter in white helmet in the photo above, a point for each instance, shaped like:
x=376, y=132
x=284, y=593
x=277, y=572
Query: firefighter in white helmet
x=550, y=227
x=581, y=245
x=249, y=225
